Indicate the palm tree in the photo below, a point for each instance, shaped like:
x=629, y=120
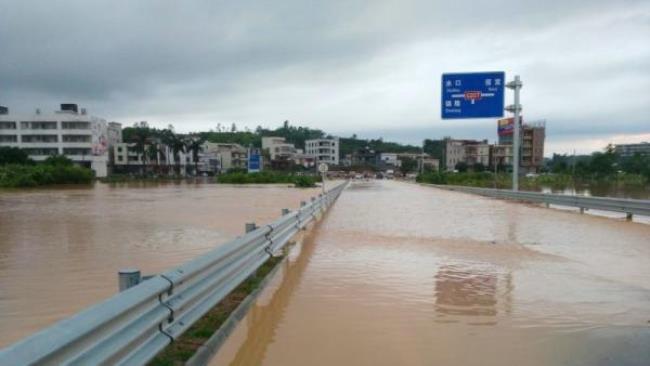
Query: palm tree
x=176, y=144
x=140, y=137
x=194, y=144
x=153, y=151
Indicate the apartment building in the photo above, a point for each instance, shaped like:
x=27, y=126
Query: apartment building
x=532, y=146
x=390, y=160
x=629, y=150
x=323, y=150
x=478, y=153
x=303, y=159
x=454, y=153
x=532, y=138
x=70, y=131
x=278, y=148
x=501, y=155
x=221, y=157
x=424, y=161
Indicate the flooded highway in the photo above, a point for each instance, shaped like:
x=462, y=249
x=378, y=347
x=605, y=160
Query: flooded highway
x=399, y=274
x=60, y=249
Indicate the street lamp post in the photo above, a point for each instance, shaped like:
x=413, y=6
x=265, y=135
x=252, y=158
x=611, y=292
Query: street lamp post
x=516, y=109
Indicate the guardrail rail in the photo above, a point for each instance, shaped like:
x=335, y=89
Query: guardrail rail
x=628, y=206
x=131, y=327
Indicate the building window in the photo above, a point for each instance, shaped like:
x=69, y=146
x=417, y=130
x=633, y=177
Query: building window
x=40, y=138
x=8, y=138
x=42, y=151
x=38, y=125
x=76, y=138
x=7, y=125
x=120, y=158
x=75, y=151
x=77, y=125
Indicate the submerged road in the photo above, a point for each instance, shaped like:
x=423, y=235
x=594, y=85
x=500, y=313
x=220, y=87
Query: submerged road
x=399, y=274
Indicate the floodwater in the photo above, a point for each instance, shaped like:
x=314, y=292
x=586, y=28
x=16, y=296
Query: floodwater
x=639, y=192
x=400, y=274
x=60, y=249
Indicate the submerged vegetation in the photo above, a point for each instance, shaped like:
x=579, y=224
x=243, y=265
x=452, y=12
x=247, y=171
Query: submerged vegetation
x=605, y=168
x=504, y=181
x=270, y=177
x=17, y=170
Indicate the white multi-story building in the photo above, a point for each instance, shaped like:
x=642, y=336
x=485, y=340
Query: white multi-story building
x=71, y=132
x=628, y=150
x=161, y=159
x=390, y=159
x=323, y=150
x=278, y=148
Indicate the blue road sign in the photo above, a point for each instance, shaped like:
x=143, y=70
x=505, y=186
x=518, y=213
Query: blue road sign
x=254, y=161
x=472, y=95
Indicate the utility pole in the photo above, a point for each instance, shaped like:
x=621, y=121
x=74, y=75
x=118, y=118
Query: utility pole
x=516, y=109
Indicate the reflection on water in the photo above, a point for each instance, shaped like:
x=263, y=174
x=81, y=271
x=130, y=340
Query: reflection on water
x=269, y=311
x=60, y=249
x=459, y=292
x=640, y=192
x=398, y=274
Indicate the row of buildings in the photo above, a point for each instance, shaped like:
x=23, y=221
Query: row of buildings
x=97, y=144
x=282, y=154
x=473, y=152
x=93, y=142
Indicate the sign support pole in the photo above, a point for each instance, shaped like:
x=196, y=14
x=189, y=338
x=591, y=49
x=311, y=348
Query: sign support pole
x=516, y=109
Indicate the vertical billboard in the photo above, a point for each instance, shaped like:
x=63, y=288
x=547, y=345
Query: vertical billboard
x=505, y=126
x=254, y=160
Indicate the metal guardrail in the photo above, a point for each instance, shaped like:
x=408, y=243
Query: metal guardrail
x=627, y=206
x=131, y=327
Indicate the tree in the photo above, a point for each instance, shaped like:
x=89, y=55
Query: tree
x=408, y=165
x=461, y=167
x=14, y=155
x=194, y=144
x=478, y=167
x=58, y=160
x=140, y=137
x=154, y=151
x=602, y=164
x=637, y=164
x=176, y=144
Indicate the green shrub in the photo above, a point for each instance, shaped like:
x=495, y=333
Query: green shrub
x=268, y=177
x=14, y=175
x=14, y=155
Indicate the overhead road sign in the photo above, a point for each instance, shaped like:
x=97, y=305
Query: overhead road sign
x=472, y=95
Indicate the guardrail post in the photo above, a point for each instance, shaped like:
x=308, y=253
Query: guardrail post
x=582, y=210
x=285, y=211
x=128, y=278
x=250, y=226
x=628, y=216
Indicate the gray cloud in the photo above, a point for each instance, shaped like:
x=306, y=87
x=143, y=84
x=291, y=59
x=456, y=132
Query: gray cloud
x=343, y=66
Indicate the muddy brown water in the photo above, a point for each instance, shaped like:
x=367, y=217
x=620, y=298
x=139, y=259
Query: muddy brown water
x=398, y=274
x=60, y=249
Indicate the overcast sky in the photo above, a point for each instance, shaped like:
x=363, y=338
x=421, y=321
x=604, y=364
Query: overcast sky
x=367, y=67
